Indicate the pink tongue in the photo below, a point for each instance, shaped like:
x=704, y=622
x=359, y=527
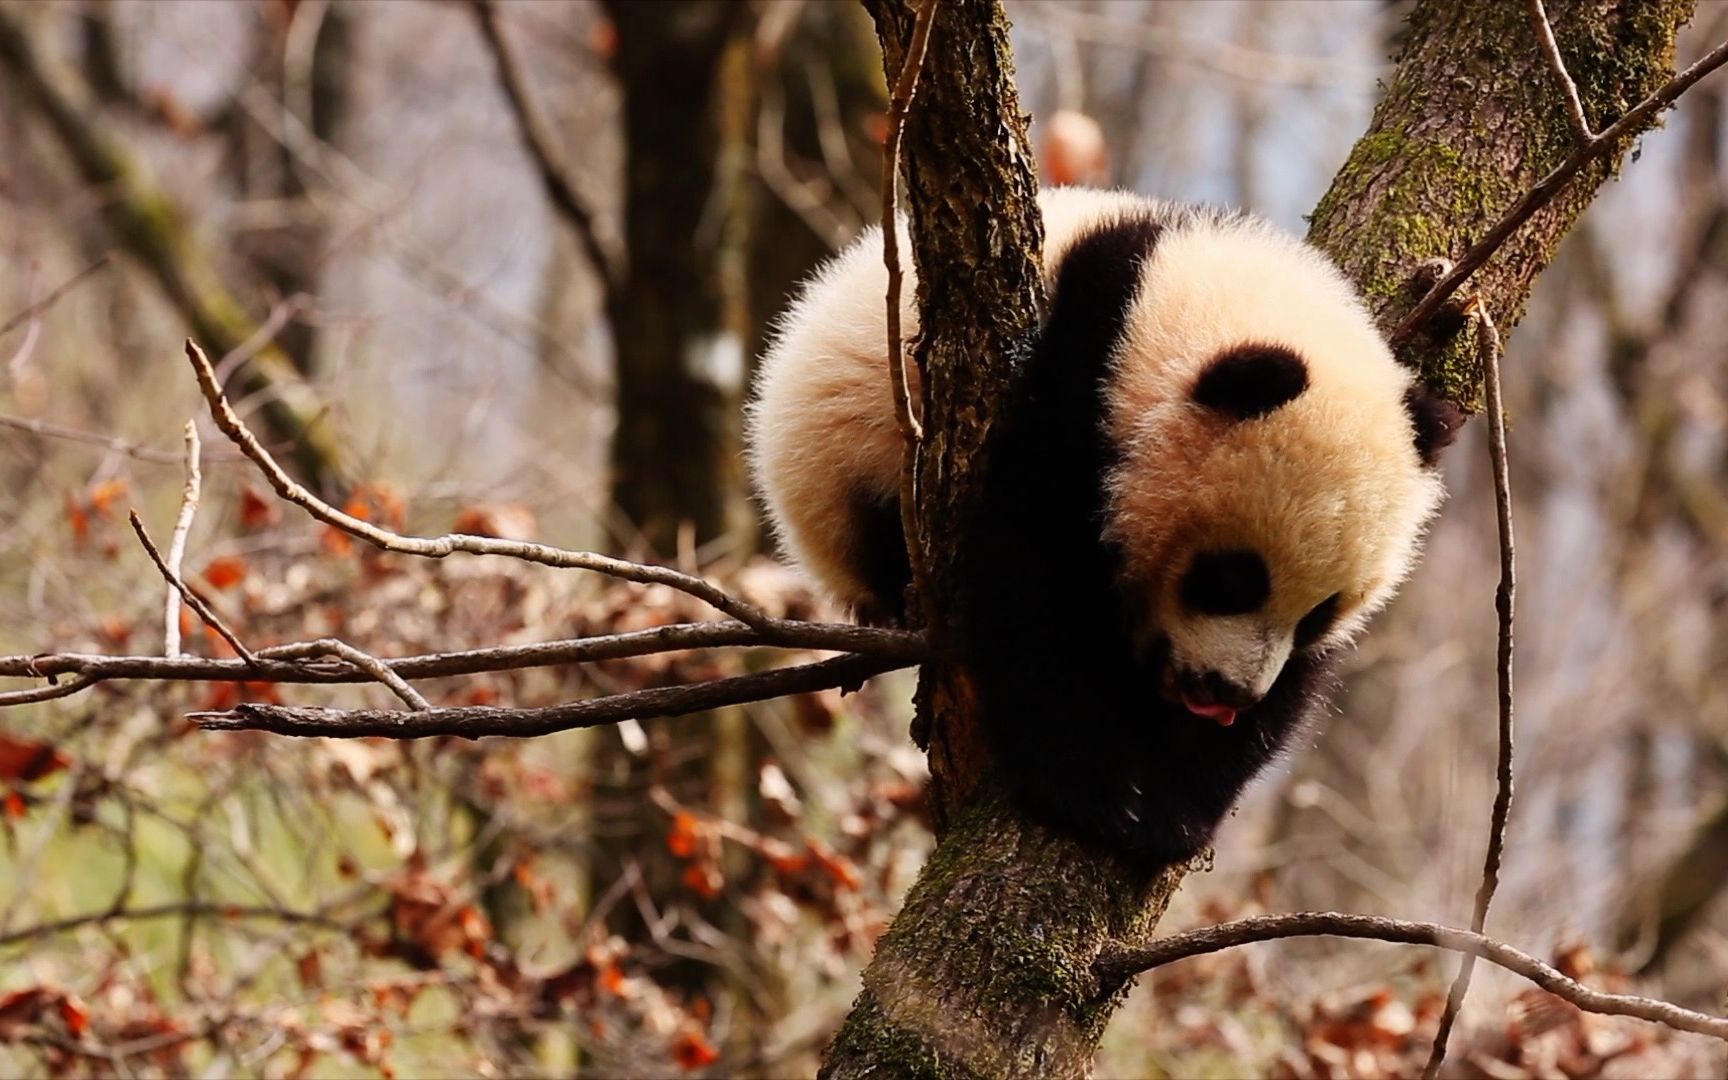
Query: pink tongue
x=1223, y=714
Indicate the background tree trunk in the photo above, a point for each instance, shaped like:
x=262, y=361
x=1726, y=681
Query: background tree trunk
x=676, y=324
x=315, y=88
x=677, y=316
x=987, y=969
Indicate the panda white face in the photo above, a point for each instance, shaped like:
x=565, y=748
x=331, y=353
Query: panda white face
x=1274, y=470
x=1226, y=635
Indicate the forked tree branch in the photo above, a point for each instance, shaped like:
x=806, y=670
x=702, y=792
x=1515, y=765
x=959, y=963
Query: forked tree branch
x=779, y=634
x=439, y=547
x=944, y=993
x=475, y=722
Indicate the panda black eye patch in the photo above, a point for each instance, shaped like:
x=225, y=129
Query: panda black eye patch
x=1225, y=583
x=1251, y=380
x=1317, y=622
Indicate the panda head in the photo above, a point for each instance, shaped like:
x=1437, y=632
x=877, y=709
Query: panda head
x=1275, y=464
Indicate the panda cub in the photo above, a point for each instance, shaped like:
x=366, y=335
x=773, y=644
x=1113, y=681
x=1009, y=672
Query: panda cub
x=1213, y=472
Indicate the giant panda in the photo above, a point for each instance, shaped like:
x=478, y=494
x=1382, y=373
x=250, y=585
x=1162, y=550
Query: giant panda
x=1213, y=471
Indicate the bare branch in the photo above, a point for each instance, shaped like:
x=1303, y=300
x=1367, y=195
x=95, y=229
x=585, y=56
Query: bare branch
x=193, y=600
x=91, y=669
x=476, y=722
x=537, y=139
x=442, y=546
x=1115, y=968
x=170, y=911
x=1488, y=344
x=904, y=89
x=54, y=296
x=1551, y=49
x=780, y=634
x=177, y=541
x=1551, y=185
x=107, y=442
x=49, y=692
x=910, y=429
x=366, y=662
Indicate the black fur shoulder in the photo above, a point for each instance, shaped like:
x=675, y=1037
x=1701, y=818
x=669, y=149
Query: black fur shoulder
x=1072, y=708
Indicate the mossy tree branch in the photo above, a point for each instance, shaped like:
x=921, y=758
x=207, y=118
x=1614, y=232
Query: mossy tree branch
x=987, y=970
x=1474, y=118
x=146, y=225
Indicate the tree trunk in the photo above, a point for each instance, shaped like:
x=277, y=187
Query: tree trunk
x=677, y=317
x=987, y=970
x=289, y=256
x=676, y=330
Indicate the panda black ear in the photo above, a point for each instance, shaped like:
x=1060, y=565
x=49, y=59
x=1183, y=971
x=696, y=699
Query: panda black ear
x=1436, y=422
x=1251, y=380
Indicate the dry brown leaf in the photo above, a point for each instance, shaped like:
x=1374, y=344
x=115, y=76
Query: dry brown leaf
x=28, y=760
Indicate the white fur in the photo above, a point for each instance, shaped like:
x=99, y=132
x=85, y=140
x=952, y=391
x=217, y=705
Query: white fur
x=1328, y=488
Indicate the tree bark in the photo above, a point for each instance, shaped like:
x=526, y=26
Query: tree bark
x=987, y=970
x=1473, y=118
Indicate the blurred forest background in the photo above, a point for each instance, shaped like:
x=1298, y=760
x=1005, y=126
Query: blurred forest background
x=338, y=199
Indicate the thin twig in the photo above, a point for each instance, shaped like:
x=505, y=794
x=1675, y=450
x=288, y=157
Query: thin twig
x=442, y=546
x=1115, y=968
x=261, y=338
x=1551, y=49
x=904, y=88
x=53, y=297
x=1488, y=344
x=193, y=600
x=168, y=911
x=476, y=722
x=107, y=442
x=537, y=139
x=1549, y=187
x=912, y=432
x=177, y=541
x=366, y=662
x=48, y=693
